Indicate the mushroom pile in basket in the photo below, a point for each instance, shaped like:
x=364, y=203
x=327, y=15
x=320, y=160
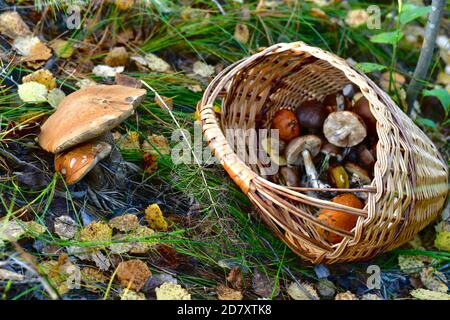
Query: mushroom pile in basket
x=326, y=145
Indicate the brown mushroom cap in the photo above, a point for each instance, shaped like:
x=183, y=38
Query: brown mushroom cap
x=75, y=163
x=295, y=148
x=88, y=113
x=344, y=129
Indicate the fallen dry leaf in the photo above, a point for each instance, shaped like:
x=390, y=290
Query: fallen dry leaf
x=42, y=76
x=38, y=53
x=32, y=92
x=11, y=275
x=227, y=293
x=63, y=274
x=150, y=163
x=144, y=243
x=424, y=294
x=202, y=69
x=132, y=295
x=264, y=286
x=96, y=231
x=55, y=96
x=318, y=13
x=235, y=278
x=12, y=25
x=171, y=291
x=125, y=223
x=164, y=102
x=100, y=260
x=106, y=71
x=297, y=293
x=356, y=18
x=124, y=80
x=153, y=62
x=241, y=33
x=345, y=296
x=124, y=4
x=410, y=264
x=83, y=83
x=397, y=78
x=117, y=56
x=129, y=141
x=133, y=274
x=62, y=48
x=156, y=141
x=434, y=280
x=155, y=218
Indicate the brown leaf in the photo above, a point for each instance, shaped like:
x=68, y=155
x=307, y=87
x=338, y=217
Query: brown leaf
x=264, y=286
x=39, y=52
x=235, y=278
x=226, y=293
x=124, y=80
x=241, y=33
x=12, y=25
x=133, y=274
x=118, y=56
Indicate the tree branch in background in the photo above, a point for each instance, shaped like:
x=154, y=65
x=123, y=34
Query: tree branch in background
x=426, y=53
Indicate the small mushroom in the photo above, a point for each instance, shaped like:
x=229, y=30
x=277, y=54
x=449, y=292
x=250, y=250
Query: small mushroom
x=362, y=108
x=75, y=163
x=302, y=150
x=289, y=176
x=311, y=114
x=360, y=176
x=344, y=129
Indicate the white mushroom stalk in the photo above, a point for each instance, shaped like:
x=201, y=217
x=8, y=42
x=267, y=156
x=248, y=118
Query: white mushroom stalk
x=302, y=150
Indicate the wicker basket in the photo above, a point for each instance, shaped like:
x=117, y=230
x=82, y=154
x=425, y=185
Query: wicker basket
x=410, y=177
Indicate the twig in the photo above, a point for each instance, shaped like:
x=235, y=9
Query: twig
x=426, y=53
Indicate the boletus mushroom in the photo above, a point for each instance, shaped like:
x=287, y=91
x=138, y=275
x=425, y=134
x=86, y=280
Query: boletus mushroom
x=83, y=115
x=75, y=163
x=286, y=122
x=311, y=114
x=344, y=129
x=362, y=108
x=302, y=150
x=339, y=219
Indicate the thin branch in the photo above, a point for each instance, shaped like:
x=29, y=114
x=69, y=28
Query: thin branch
x=426, y=53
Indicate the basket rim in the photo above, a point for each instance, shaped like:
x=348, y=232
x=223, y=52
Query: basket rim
x=249, y=181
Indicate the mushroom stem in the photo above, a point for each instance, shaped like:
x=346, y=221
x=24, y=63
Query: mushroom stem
x=311, y=171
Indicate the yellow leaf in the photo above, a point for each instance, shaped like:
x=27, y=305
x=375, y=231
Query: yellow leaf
x=241, y=33
x=155, y=218
x=42, y=76
x=171, y=291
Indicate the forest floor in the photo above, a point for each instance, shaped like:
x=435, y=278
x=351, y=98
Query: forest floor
x=209, y=242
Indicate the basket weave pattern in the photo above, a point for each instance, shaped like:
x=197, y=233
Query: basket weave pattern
x=410, y=177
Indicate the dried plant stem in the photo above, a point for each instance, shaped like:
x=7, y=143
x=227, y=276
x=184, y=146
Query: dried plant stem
x=426, y=53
